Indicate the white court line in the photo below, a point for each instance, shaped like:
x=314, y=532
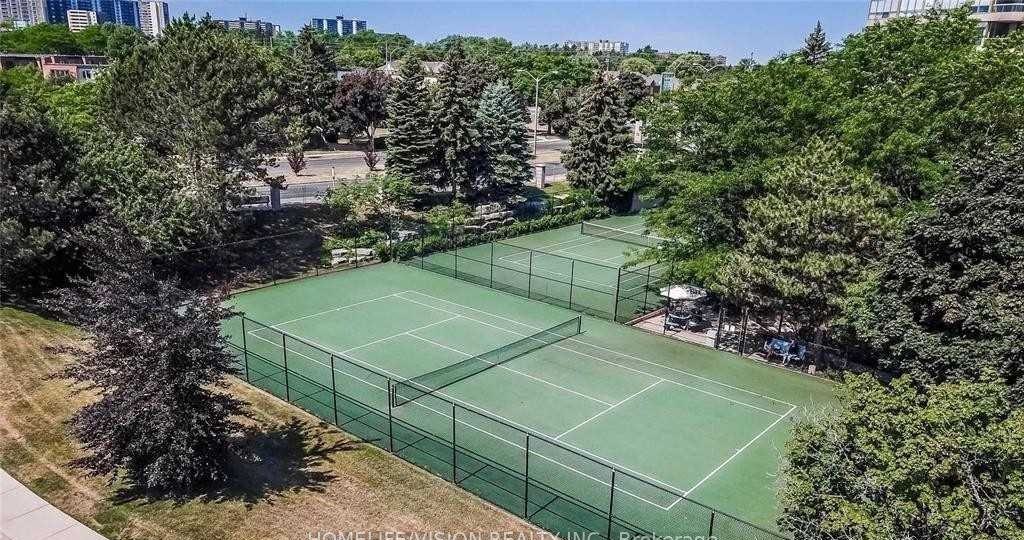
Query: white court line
x=339, y=308
x=581, y=424
x=581, y=353
x=406, y=333
x=484, y=431
x=738, y=452
x=622, y=354
x=503, y=366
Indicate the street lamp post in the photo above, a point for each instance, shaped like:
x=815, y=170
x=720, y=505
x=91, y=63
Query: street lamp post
x=536, y=103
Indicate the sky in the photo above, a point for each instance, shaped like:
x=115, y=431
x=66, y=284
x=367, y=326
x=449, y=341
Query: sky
x=734, y=28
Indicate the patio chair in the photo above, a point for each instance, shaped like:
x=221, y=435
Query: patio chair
x=777, y=346
x=798, y=352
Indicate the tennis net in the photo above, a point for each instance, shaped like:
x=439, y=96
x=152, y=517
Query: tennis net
x=410, y=389
x=629, y=237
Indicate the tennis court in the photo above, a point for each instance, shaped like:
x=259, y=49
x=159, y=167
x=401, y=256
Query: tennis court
x=579, y=267
x=610, y=430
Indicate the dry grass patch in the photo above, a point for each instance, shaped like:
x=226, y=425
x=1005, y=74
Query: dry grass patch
x=296, y=476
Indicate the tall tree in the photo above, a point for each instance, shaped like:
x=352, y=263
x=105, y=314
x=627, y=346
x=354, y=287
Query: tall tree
x=310, y=79
x=812, y=235
x=816, y=46
x=454, y=114
x=889, y=462
x=158, y=360
x=361, y=102
x=600, y=138
x=216, y=132
x=633, y=88
x=45, y=203
x=504, y=147
x=411, y=138
x=948, y=299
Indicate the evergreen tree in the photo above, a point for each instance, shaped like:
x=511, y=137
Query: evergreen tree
x=633, y=88
x=816, y=46
x=157, y=357
x=600, y=138
x=411, y=139
x=311, y=81
x=454, y=117
x=504, y=148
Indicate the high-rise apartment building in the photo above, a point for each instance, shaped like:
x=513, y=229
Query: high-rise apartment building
x=153, y=17
x=263, y=31
x=338, y=26
x=124, y=12
x=996, y=18
x=79, y=19
x=599, y=46
x=23, y=12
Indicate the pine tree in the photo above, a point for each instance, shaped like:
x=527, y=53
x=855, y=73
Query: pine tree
x=600, y=138
x=633, y=89
x=411, y=140
x=816, y=46
x=311, y=81
x=454, y=116
x=162, y=421
x=504, y=163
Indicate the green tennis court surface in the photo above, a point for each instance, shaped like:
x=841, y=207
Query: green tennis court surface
x=656, y=419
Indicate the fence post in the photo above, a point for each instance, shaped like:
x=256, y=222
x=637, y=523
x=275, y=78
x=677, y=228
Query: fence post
x=711, y=526
x=492, y=265
x=611, y=506
x=334, y=392
x=391, y=423
x=455, y=468
x=572, y=276
x=284, y=355
x=718, y=332
x=647, y=287
x=455, y=252
x=743, y=329
x=245, y=351
x=526, y=477
x=529, y=277
x=618, y=283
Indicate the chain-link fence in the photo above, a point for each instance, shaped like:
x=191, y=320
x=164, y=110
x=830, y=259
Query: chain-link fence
x=531, y=475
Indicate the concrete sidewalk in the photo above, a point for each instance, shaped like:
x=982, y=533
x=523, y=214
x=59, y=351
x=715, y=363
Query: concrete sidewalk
x=26, y=516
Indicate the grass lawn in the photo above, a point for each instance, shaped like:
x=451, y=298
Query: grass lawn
x=297, y=476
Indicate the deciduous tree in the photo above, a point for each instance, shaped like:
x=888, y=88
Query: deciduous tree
x=162, y=420
x=949, y=296
x=896, y=462
x=361, y=102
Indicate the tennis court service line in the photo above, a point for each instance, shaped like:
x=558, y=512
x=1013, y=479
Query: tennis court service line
x=339, y=308
x=484, y=431
x=503, y=366
x=581, y=353
x=599, y=347
x=736, y=453
x=393, y=336
x=581, y=424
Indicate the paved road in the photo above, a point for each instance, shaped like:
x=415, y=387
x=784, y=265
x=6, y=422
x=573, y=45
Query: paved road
x=349, y=163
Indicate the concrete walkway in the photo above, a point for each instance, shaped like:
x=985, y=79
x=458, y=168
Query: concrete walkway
x=26, y=516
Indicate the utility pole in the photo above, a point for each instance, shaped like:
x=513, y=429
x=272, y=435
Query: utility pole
x=536, y=104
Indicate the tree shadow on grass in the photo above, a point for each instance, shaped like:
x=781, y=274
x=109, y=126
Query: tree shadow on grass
x=269, y=461
x=283, y=458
